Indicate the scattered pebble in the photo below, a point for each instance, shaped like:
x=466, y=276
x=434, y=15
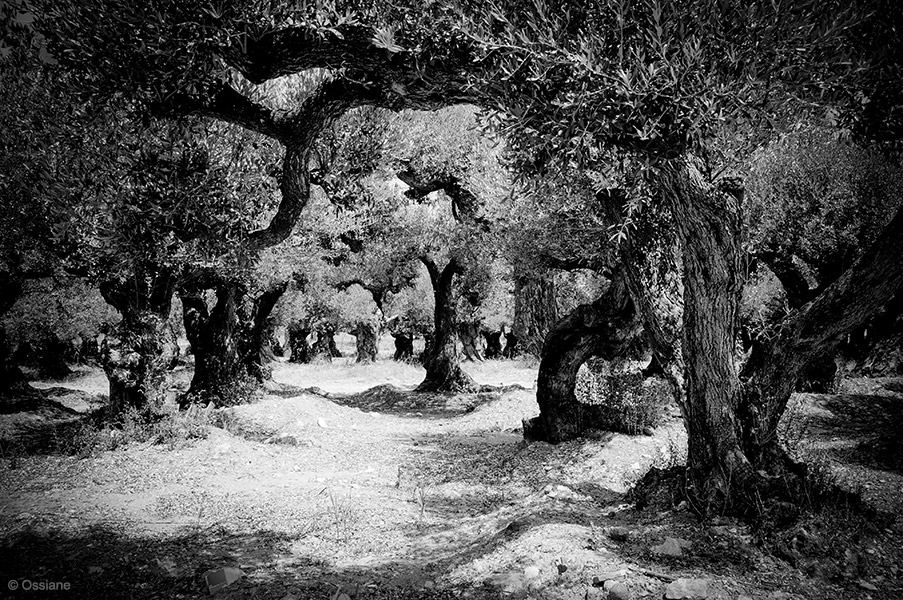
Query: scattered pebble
x=687, y=589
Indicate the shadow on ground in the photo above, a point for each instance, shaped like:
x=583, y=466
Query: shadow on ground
x=391, y=400
x=874, y=421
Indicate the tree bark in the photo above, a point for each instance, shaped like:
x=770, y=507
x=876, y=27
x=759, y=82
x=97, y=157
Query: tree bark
x=535, y=310
x=708, y=228
x=325, y=345
x=137, y=353
x=606, y=328
x=773, y=370
x=443, y=369
x=469, y=334
x=367, y=342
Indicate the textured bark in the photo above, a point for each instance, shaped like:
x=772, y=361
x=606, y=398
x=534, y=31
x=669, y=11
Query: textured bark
x=469, y=334
x=136, y=354
x=535, y=310
x=606, y=328
x=260, y=353
x=443, y=369
x=367, y=342
x=220, y=371
x=229, y=360
x=708, y=227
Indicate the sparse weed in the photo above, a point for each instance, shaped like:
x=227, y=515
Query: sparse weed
x=343, y=518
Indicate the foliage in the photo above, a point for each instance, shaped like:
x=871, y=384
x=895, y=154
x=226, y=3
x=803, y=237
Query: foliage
x=633, y=404
x=65, y=308
x=817, y=197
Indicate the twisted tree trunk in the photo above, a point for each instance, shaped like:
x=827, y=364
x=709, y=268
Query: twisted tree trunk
x=137, y=353
x=443, y=368
x=298, y=344
x=606, y=328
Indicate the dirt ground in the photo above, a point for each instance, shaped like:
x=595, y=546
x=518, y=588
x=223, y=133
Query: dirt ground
x=360, y=487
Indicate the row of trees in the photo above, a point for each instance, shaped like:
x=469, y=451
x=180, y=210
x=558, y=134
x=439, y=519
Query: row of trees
x=633, y=127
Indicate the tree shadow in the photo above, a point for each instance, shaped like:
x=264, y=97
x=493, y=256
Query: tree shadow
x=108, y=561
x=873, y=422
x=392, y=400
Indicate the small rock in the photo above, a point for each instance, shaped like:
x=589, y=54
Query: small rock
x=687, y=589
x=619, y=591
x=220, y=578
x=867, y=586
x=531, y=572
x=429, y=584
x=671, y=547
x=601, y=578
x=619, y=533
x=322, y=423
x=744, y=598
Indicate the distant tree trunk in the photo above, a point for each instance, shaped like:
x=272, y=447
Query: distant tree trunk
x=137, y=352
x=260, y=353
x=325, y=345
x=298, y=344
x=493, y=344
x=367, y=342
x=404, y=346
x=443, y=370
x=606, y=328
x=535, y=310
x=469, y=334
x=512, y=347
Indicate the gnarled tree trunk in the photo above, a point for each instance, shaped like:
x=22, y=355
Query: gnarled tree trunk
x=708, y=228
x=443, y=369
x=137, y=353
x=228, y=340
x=606, y=328
x=367, y=342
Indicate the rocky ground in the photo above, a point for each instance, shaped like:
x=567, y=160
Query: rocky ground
x=361, y=488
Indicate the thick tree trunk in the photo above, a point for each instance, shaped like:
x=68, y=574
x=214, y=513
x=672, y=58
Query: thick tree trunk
x=443, y=369
x=136, y=356
x=708, y=227
x=298, y=344
x=137, y=353
x=772, y=372
x=535, y=310
x=606, y=328
x=404, y=346
x=469, y=334
x=367, y=342
x=229, y=358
